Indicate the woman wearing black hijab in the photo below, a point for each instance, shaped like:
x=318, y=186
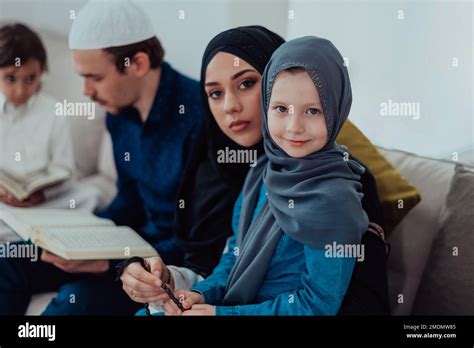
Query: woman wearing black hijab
x=210, y=188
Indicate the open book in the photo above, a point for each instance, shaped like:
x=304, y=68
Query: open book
x=75, y=234
x=21, y=188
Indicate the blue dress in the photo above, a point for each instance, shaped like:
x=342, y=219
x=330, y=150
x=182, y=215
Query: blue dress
x=300, y=280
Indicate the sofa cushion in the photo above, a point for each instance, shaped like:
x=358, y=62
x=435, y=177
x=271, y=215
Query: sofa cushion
x=392, y=187
x=412, y=239
x=447, y=287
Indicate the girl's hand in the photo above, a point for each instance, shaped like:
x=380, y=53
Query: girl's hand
x=144, y=286
x=187, y=298
x=201, y=309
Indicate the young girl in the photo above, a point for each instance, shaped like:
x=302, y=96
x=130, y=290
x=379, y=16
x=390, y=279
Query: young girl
x=302, y=198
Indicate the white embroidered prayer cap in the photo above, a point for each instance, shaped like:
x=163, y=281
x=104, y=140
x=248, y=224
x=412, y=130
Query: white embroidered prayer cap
x=109, y=23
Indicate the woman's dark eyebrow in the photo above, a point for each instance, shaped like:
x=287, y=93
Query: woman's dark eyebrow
x=233, y=77
x=240, y=73
x=211, y=84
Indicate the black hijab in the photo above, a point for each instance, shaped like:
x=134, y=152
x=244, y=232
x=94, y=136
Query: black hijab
x=209, y=189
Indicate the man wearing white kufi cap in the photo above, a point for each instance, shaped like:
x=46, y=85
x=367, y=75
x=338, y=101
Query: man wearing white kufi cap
x=121, y=29
x=153, y=115
x=109, y=23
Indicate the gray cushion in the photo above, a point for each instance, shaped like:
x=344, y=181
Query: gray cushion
x=447, y=287
x=411, y=240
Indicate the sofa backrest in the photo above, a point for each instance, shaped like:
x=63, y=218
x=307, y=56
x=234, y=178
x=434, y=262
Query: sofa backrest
x=412, y=239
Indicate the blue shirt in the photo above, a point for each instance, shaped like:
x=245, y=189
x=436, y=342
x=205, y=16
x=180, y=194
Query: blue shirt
x=300, y=280
x=150, y=157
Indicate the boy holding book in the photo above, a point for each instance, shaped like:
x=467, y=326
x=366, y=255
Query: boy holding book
x=33, y=139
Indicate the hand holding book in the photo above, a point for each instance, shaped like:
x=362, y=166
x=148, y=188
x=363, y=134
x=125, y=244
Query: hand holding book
x=33, y=200
x=76, y=266
x=21, y=188
x=76, y=235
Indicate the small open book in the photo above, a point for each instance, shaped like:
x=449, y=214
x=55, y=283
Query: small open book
x=75, y=234
x=21, y=188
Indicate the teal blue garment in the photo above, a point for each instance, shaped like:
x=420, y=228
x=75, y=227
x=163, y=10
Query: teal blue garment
x=142, y=313
x=300, y=280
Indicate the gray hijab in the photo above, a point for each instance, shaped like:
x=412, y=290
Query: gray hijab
x=315, y=200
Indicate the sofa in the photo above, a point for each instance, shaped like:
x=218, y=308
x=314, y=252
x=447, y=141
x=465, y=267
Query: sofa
x=411, y=241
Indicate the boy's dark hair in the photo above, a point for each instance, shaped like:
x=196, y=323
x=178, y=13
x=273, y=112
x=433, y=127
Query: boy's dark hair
x=19, y=41
x=152, y=47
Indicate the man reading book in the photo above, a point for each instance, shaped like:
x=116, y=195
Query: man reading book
x=153, y=116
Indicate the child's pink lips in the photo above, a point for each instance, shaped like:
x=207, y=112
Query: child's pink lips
x=297, y=142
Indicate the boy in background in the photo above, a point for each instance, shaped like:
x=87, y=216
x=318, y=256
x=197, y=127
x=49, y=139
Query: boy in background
x=32, y=137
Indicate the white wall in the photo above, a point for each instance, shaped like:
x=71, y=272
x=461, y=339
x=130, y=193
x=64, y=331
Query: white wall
x=404, y=60
x=269, y=13
x=184, y=40
x=408, y=60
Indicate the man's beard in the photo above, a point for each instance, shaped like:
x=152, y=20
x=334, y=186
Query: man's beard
x=111, y=109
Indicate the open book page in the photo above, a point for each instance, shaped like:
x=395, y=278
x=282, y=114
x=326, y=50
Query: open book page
x=23, y=221
x=93, y=242
x=22, y=188
x=7, y=234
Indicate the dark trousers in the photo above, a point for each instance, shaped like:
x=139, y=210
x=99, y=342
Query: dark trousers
x=78, y=294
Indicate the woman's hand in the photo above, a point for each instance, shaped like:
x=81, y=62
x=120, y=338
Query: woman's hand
x=145, y=286
x=187, y=298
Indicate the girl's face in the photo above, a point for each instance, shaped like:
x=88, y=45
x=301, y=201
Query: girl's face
x=295, y=115
x=18, y=84
x=233, y=91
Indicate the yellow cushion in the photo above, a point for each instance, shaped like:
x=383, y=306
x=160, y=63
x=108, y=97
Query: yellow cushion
x=396, y=194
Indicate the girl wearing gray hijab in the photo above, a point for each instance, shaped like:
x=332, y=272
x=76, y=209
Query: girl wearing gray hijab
x=300, y=214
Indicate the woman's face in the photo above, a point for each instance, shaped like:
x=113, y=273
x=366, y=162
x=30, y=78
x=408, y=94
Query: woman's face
x=233, y=91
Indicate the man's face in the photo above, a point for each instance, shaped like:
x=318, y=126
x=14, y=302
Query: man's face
x=18, y=84
x=103, y=83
